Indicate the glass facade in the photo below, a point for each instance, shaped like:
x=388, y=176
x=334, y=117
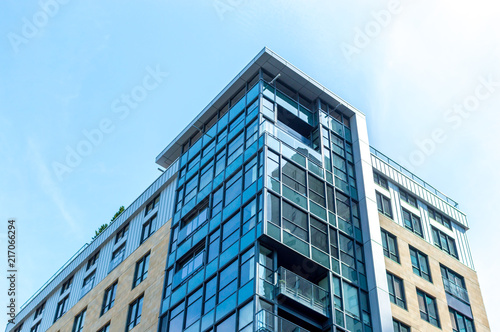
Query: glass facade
x=269, y=183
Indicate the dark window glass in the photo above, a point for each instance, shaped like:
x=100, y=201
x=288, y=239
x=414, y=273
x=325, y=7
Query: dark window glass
x=148, y=228
x=428, y=308
x=61, y=309
x=141, y=270
x=230, y=231
x=36, y=328
x=67, y=284
x=454, y=284
x=294, y=177
x=134, y=313
x=384, y=204
x=380, y=180
x=433, y=214
x=228, y=325
x=408, y=198
x=343, y=206
x=319, y=237
x=273, y=209
x=420, y=264
x=105, y=328
x=444, y=242
x=122, y=233
x=460, y=322
x=396, y=290
x=210, y=291
x=92, y=260
x=334, y=248
x=316, y=190
x=79, y=321
x=400, y=327
x=412, y=222
x=214, y=246
x=109, y=298
x=233, y=188
x=39, y=310
x=154, y=203
x=295, y=221
x=389, y=242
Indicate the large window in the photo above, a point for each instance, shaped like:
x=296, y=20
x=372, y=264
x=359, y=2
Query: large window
x=460, y=322
x=405, y=196
x=117, y=257
x=316, y=190
x=390, y=244
x=454, y=284
x=433, y=214
x=400, y=327
x=295, y=221
x=396, y=290
x=141, y=270
x=228, y=281
x=319, y=236
x=190, y=263
x=412, y=222
x=444, y=242
x=233, y=188
x=294, y=177
x=194, y=306
x=79, y=321
x=428, y=308
x=380, y=180
x=148, y=228
x=384, y=204
x=231, y=231
x=61, y=309
x=134, y=313
x=109, y=298
x=420, y=264
x=154, y=203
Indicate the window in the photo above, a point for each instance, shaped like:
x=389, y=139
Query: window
x=319, y=237
x=117, y=257
x=193, y=221
x=384, y=204
x=380, y=180
x=396, y=290
x=428, y=308
x=207, y=174
x=148, y=228
x=454, y=284
x=228, y=325
x=343, y=206
x=444, y=242
x=412, y=222
x=316, y=190
x=210, y=292
x=400, y=327
x=251, y=173
x=66, y=285
x=92, y=260
x=460, y=322
x=122, y=233
x=233, y=188
x=390, y=244
x=334, y=248
x=35, y=327
x=79, y=321
x=109, y=298
x=19, y=328
x=105, y=328
x=88, y=283
x=230, y=231
x=228, y=281
x=134, y=313
x=191, y=262
x=39, y=310
x=407, y=197
x=439, y=218
x=193, y=309
x=62, y=306
x=420, y=264
x=141, y=270
x=294, y=177
x=295, y=221
x=154, y=203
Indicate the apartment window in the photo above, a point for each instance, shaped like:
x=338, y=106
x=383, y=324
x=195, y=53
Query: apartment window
x=420, y=264
x=117, y=257
x=92, y=260
x=230, y=231
x=412, y=222
x=194, y=305
x=439, y=218
x=407, y=197
x=390, y=244
x=319, y=236
x=228, y=278
x=105, y=328
x=19, y=328
x=109, y=298
x=66, y=285
x=444, y=242
x=400, y=327
x=295, y=221
x=122, y=233
x=39, y=310
x=380, y=180
x=79, y=321
x=294, y=177
x=134, y=313
x=190, y=263
x=35, y=328
x=454, y=284
x=152, y=204
x=316, y=190
x=148, y=228
x=88, y=283
x=396, y=290
x=428, y=308
x=62, y=306
x=384, y=204
x=460, y=322
x=141, y=270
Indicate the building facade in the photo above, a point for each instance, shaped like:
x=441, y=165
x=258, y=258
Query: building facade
x=273, y=214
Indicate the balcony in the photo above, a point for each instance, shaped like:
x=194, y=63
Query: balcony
x=303, y=291
x=269, y=322
x=455, y=290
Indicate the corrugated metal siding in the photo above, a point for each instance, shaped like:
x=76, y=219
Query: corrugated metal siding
x=134, y=214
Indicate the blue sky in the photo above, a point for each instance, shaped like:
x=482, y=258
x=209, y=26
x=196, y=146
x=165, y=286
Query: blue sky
x=426, y=74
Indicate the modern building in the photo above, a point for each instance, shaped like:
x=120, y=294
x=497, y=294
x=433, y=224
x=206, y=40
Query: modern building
x=273, y=214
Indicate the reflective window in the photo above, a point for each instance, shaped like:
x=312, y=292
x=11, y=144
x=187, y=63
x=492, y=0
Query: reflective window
x=396, y=290
x=389, y=243
x=295, y=221
x=412, y=222
x=319, y=237
x=228, y=281
x=193, y=310
x=400, y=327
x=444, y=242
x=141, y=270
x=428, y=308
x=420, y=264
x=384, y=204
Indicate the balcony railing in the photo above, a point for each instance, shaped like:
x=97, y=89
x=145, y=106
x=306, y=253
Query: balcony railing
x=302, y=291
x=269, y=322
x=455, y=290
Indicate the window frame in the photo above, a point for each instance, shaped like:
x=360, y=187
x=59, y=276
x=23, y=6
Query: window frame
x=384, y=202
x=141, y=269
x=79, y=321
x=418, y=268
x=134, y=313
x=413, y=220
x=392, y=280
x=109, y=298
x=425, y=315
x=386, y=236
